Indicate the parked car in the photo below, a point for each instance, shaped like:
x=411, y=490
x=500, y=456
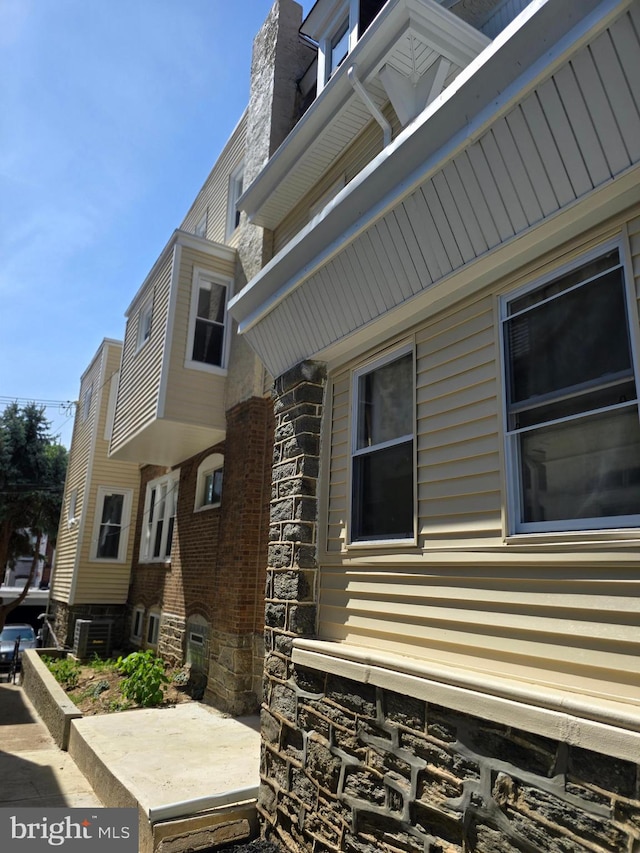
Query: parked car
x=8, y=636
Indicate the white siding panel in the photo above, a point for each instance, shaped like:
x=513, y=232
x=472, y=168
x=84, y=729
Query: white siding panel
x=545, y=143
x=616, y=85
x=504, y=181
x=564, y=137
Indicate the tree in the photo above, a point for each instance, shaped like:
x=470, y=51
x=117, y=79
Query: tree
x=32, y=471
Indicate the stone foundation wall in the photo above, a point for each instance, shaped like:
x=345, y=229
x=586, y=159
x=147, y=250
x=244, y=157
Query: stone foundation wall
x=234, y=682
x=354, y=768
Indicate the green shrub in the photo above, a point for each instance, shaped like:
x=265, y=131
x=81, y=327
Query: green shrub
x=65, y=670
x=145, y=678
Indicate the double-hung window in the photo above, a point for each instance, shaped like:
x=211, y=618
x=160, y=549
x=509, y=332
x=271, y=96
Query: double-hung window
x=112, y=524
x=572, y=427
x=207, y=341
x=382, y=494
x=159, y=518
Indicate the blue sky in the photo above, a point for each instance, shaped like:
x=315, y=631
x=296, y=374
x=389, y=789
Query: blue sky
x=113, y=113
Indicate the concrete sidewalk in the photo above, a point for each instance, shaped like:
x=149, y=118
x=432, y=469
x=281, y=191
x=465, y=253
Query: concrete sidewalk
x=191, y=772
x=34, y=772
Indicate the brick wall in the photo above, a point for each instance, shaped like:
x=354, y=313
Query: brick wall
x=218, y=559
x=355, y=768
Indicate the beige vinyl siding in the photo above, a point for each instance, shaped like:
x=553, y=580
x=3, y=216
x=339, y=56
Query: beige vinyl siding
x=139, y=386
x=77, y=474
x=459, y=493
x=362, y=150
x=102, y=582
x=193, y=396
x=560, y=611
x=214, y=195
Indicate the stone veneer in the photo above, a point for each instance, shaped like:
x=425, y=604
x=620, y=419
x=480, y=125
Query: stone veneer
x=355, y=768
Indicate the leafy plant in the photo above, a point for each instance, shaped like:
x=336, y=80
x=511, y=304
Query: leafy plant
x=145, y=678
x=65, y=670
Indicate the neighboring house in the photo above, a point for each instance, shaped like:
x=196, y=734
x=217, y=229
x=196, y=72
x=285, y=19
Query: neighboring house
x=451, y=318
x=18, y=570
x=95, y=539
x=193, y=409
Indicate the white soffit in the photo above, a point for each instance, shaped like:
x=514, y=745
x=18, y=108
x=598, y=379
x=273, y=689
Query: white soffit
x=410, y=37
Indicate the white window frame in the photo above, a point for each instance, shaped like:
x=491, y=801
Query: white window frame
x=152, y=634
x=145, y=318
x=236, y=185
x=369, y=367
x=214, y=462
x=167, y=487
x=347, y=12
x=102, y=493
x=517, y=528
x=202, y=277
x=137, y=624
x=201, y=226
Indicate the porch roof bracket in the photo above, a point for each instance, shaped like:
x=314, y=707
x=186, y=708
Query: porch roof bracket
x=366, y=98
x=410, y=95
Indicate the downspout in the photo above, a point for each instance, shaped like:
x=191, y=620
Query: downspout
x=352, y=74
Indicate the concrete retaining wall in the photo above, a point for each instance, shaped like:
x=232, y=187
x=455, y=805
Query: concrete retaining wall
x=48, y=698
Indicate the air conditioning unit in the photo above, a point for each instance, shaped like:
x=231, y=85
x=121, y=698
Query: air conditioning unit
x=92, y=637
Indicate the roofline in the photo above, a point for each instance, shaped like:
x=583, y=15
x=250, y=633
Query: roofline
x=182, y=238
x=538, y=40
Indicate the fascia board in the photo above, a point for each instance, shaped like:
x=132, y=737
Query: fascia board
x=182, y=238
x=461, y=42
x=528, y=50
x=320, y=16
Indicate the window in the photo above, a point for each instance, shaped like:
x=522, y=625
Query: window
x=339, y=47
x=159, y=518
x=144, y=323
x=382, y=496
x=236, y=184
x=137, y=623
x=207, y=341
x=201, y=227
x=209, y=482
x=86, y=402
x=112, y=523
x=572, y=429
x=153, y=628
